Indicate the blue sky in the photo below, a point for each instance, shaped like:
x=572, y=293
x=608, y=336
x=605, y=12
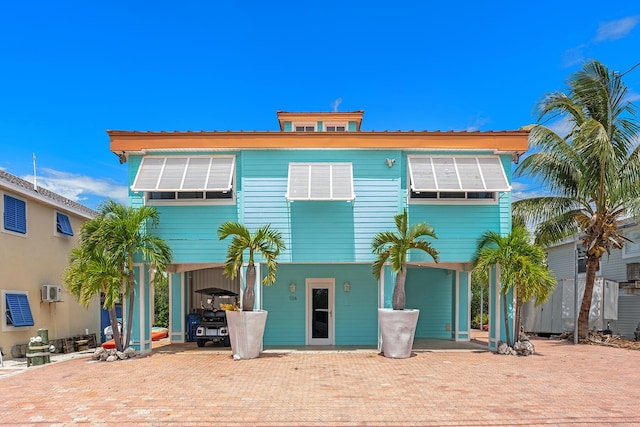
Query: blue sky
x=71, y=70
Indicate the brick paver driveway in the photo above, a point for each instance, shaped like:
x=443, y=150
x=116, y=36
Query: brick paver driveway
x=561, y=385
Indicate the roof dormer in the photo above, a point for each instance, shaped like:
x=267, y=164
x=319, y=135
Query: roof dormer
x=320, y=122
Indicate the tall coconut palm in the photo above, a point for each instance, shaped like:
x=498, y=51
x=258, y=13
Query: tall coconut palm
x=90, y=274
x=592, y=174
x=522, y=266
x=265, y=241
x=123, y=235
x=395, y=246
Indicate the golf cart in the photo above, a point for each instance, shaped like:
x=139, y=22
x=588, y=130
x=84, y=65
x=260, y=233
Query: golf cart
x=213, y=322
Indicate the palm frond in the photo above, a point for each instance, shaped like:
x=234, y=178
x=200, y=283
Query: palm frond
x=394, y=246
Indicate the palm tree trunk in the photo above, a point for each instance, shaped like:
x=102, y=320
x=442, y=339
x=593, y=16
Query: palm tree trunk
x=585, y=307
x=113, y=318
x=398, y=299
x=517, y=324
x=248, y=297
x=506, y=319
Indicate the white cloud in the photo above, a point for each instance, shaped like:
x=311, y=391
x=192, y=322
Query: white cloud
x=523, y=190
x=476, y=124
x=573, y=56
x=614, y=30
x=562, y=126
x=79, y=187
x=607, y=31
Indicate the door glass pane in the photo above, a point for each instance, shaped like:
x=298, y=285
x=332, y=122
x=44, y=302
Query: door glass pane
x=320, y=307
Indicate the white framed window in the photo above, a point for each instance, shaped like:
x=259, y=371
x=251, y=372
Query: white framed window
x=320, y=181
x=335, y=127
x=304, y=127
x=470, y=179
x=188, y=179
x=632, y=248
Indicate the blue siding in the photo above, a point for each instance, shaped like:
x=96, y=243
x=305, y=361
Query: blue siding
x=431, y=291
x=325, y=231
x=321, y=231
x=191, y=231
x=389, y=285
x=135, y=199
x=355, y=315
x=458, y=228
x=178, y=307
x=505, y=198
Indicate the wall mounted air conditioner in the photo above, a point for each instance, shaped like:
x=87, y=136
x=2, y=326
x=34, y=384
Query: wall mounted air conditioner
x=51, y=293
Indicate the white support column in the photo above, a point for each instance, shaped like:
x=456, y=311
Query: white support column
x=142, y=298
x=456, y=325
x=381, y=303
x=460, y=334
x=495, y=324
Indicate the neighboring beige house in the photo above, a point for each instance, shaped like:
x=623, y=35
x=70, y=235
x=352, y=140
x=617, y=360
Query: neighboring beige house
x=38, y=230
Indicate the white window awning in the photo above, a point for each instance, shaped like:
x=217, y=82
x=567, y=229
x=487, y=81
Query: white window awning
x=185, y=173
x=320, y=181
x=457, y=173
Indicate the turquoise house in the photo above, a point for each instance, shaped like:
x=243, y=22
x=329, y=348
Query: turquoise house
x=329, y=187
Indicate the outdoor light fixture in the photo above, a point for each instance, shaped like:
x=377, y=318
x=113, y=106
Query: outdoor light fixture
x=292, y=288
x=390, y=162
x=347, y=286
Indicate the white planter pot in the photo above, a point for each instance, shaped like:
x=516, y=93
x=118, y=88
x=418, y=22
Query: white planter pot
x=397, y=327
x=246, y=329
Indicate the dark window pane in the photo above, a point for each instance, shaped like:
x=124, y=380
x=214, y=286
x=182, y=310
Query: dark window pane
x=219, y=195
x=190, y=195
x=424, y=195
x=451, y=195
x=480, y=195
x=162, y=195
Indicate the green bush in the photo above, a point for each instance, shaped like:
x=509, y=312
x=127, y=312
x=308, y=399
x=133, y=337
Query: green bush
x=476, y=320
x=161, y=302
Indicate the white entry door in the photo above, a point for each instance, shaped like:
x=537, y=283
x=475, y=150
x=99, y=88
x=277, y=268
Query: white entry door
x=320, y=311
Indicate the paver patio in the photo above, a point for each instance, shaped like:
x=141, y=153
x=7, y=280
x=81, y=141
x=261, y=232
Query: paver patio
x=186, y=386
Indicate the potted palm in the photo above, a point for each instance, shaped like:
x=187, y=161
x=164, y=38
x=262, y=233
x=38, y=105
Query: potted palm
x=246, y=327
x=398, y=325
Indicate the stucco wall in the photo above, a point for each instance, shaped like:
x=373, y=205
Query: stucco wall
x=39, y=257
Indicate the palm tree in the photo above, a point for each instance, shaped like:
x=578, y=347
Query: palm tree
x=395, y=246
x=592, y=174
x=121, y=234
x=89, y=274
x=522, y=265
x=265, y=241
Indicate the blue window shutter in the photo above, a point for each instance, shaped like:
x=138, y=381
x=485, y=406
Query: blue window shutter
x=15, y=214
x=19, y=312
x=63, y=224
